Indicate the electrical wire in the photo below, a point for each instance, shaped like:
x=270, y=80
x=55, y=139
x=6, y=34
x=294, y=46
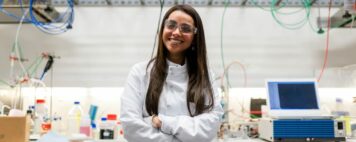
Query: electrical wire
x=157, y=31
x=327, y=43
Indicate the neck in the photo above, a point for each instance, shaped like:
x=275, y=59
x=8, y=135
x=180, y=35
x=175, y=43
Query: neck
x=177, y=59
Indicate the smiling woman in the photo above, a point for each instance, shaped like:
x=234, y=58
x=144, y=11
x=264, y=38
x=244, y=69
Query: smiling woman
x=177, y=40
x=173, y=97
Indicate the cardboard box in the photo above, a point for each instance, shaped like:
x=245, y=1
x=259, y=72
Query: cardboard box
x=14, y=129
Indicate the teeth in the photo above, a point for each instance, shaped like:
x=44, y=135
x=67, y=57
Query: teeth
x=176, y=41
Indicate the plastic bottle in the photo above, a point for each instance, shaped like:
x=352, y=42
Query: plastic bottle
x=42, y=121
x=112, y=120
x=106, y=130
x=30, y=113
x=74, y=119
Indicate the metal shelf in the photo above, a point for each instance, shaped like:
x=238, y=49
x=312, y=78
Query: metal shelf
x=211, y=3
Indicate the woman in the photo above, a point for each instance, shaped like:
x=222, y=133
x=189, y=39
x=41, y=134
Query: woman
x=171, y=97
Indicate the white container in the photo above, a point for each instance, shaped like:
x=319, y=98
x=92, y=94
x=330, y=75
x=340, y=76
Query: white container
x=74, y=119
x=41, y=117
x=112, y=120
x=40, y=108
x=106, y=130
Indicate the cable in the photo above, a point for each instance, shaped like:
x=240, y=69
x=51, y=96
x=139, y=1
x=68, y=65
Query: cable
x=243, y=71
x=327, y=44
x=5, y=83
x=353, y=20
x=314, y=29
x=291, y=26
x=226, y=3
x=320, y=31
x=34, y=66
x=225, y=90
x=51, y=28
x=13, y=15
x=157, y=31
x=17, y=50
x=277, y=9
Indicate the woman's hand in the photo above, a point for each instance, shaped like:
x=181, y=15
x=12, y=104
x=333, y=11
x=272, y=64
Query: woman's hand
x=156, y=123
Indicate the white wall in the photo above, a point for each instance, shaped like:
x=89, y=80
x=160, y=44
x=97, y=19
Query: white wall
x=106, y=41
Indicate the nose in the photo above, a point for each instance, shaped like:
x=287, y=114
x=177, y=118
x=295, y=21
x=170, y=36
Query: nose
x=176, y=31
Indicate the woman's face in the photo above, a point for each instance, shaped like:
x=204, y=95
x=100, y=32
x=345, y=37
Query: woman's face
x=178, y=33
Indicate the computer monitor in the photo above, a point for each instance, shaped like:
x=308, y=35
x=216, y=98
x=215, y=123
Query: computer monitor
x=293, y=99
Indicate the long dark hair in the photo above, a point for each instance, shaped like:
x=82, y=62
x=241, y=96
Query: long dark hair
x=199, y=86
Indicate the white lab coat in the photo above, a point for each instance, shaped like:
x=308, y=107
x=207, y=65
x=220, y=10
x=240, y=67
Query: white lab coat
x=177, y=124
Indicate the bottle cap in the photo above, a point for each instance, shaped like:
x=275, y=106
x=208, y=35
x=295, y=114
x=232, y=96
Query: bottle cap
x=40, y=101
x=111, y=117
x=338, y=100
x=103, y=119
x=93, y=125
x=77, y=102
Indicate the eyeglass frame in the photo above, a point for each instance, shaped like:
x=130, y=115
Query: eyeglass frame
x=195, y=29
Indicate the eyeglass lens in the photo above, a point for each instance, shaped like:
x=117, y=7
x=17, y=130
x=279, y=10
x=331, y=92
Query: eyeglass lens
x=184, y=28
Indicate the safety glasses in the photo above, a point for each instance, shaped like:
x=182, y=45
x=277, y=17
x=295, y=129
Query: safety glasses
x=183, y=28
